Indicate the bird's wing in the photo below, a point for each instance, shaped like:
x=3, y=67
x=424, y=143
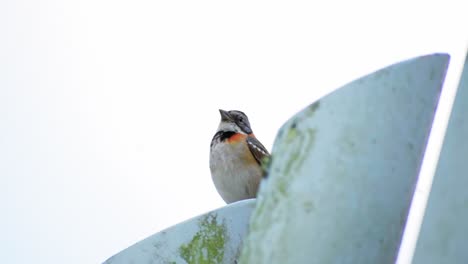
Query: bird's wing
x=258, y=150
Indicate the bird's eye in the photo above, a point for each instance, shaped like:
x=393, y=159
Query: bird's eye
x=241, y=119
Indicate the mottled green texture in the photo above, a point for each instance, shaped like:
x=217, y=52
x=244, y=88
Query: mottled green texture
x=302, y=141
x=339, y=183
x=313, y=107
x=298, y=141
x=207, y=245
x=294, y=142
x=265, y=163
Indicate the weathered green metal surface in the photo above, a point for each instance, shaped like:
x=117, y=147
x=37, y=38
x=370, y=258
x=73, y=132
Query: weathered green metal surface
x=211, y=238
x=343, y=170
x=444, y=232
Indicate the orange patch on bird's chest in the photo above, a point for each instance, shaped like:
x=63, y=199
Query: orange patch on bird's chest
x=236, y=138
x=238, y=143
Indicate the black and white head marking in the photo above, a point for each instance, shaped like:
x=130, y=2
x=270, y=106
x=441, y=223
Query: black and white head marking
x=235, y=121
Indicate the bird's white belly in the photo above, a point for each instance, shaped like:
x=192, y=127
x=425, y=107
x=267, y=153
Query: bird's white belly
x=235, y=176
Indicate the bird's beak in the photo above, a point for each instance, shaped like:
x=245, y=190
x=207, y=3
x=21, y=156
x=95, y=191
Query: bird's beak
x=225, y=116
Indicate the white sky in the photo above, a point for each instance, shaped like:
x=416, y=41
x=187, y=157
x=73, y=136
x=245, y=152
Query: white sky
x=107, y=108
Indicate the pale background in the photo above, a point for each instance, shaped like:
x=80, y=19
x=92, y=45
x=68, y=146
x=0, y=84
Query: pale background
x=107, y=108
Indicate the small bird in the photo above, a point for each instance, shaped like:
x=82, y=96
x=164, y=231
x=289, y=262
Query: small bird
x=236, y=158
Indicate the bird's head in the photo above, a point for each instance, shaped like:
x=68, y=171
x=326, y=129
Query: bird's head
x=234, y=121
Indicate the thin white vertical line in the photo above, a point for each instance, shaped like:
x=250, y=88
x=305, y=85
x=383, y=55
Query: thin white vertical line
x=430, y=160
